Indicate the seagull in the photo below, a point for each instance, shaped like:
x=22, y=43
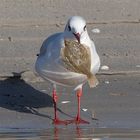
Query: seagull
x=48, y=64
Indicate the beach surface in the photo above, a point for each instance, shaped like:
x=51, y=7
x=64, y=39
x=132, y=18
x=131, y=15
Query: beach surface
x=112, y=108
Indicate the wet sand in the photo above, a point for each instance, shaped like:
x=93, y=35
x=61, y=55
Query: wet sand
x=27, y=109
x=76, y=133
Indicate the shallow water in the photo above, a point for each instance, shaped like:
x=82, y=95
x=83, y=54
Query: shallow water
x=71, y=133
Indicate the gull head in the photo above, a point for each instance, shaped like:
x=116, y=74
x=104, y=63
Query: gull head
x=76, y=29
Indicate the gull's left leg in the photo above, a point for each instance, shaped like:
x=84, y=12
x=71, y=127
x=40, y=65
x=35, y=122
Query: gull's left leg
x=78, y=119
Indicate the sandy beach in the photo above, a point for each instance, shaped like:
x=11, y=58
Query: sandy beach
x=25, y=99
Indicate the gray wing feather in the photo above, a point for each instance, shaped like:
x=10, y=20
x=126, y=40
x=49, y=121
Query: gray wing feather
x=43, y=48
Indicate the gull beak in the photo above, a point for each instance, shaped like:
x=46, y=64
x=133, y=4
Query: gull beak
x=77, y=36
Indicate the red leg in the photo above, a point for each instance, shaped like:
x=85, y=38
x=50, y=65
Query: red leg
x=56, y=120
x=78, y=120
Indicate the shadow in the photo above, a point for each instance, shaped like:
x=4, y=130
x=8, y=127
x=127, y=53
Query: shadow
x=62, y=112
x=16, y=94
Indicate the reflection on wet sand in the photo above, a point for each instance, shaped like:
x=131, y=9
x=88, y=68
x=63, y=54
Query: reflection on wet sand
x=76, y=133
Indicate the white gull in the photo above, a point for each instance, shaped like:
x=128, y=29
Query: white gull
x=49, y=66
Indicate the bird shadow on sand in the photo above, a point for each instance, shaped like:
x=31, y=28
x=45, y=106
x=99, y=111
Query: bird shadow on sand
x=16, y=94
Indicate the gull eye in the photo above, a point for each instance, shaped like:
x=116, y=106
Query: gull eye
x=84, y=27
x=69, y=28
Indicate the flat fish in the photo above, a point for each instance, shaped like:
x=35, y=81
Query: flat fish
x=76, y=57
